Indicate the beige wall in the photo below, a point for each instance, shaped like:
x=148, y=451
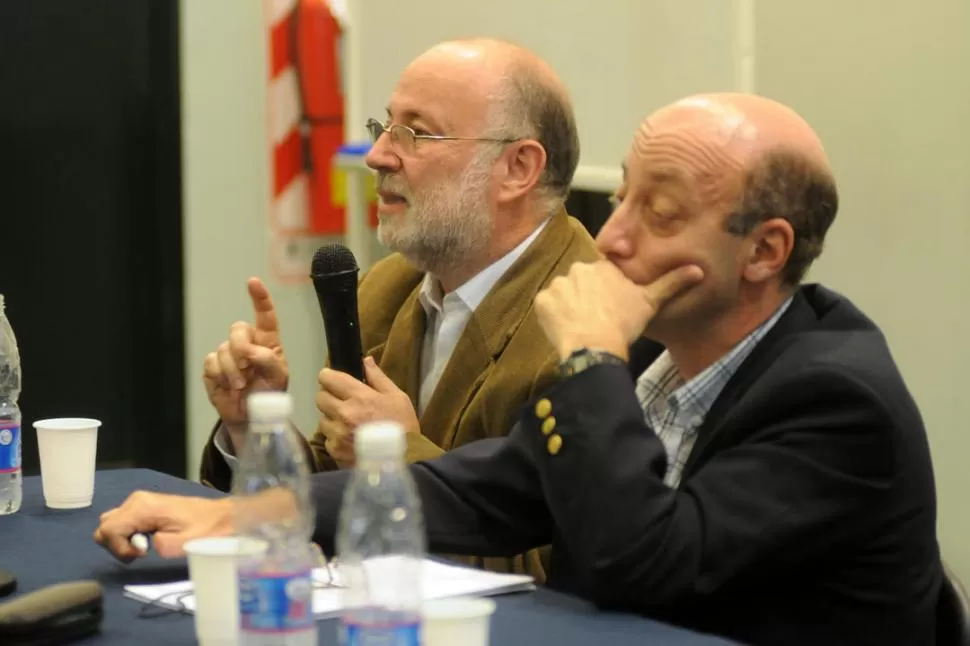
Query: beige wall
x=676, y=47
x=884, y=81
x=226, y=198
x=886, y=84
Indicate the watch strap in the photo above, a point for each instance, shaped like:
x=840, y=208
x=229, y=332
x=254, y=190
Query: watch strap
x=585, y=358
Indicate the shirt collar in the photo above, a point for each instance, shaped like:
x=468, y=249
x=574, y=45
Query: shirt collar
x=693, y=399
x=474, y=291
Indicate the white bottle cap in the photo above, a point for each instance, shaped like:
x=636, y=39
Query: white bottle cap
x=269, y=406
x=377, y=440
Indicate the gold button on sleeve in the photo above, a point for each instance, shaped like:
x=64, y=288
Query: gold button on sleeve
x=543, y=408
x=554, y=445
x=548, y=425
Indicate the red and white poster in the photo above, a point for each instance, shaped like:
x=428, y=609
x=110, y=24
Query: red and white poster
x=306, y=128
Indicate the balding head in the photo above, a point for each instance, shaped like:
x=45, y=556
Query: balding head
x=482, y=147
x=744, y=125
x=533, y=101
x=521, y=96
x=788, y=176
x=735, y=184
x=760, y=157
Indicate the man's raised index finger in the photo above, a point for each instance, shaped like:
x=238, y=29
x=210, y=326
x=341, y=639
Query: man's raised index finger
x=263, y=306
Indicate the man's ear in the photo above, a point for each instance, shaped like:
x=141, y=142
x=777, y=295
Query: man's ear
x=521, y=167
x=773, y=242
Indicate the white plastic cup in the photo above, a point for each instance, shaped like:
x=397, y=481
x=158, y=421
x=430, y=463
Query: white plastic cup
x=214, y=570
x=68, y=447
x=460, y=620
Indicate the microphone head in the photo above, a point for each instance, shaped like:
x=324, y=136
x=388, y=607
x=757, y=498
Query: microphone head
x=333, y=259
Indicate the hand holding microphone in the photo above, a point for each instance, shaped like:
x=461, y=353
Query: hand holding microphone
x=334, y=275
x=352, y=391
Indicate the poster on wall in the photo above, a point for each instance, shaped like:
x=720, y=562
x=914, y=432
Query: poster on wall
x=306, y=130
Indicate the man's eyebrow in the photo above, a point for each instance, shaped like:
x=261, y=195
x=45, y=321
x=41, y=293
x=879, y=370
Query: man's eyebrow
x=663, y=175
x=409, y=116
x=666, y=176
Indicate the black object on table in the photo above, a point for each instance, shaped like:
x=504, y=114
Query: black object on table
x=8, y=583
x=45, y=546
x=58, y=614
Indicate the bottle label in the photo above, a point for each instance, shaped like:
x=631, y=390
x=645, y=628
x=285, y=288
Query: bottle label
x=277, y=602
x=381, y=635
x=9, y=449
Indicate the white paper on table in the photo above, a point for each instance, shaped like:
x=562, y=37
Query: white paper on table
x=439, y=581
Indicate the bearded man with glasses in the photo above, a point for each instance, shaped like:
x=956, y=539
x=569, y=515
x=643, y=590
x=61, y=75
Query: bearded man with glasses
x=474, y=159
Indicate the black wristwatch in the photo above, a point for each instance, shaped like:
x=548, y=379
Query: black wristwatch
x=584, y=358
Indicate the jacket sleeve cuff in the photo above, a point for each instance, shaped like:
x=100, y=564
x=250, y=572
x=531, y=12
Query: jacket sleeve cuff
x=224, y=445
x=216, y=470
x=420, y=448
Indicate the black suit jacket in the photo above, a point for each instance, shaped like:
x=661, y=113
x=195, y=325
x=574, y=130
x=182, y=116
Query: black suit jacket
x=806, y=512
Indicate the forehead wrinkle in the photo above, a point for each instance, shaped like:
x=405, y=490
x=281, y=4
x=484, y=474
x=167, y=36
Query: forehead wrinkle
x=709, y=165
x=725, y=122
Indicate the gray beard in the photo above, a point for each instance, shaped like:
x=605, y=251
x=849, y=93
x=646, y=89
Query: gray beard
x=448, y=226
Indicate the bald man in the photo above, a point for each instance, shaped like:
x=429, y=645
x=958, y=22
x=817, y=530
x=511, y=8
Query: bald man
x=474, y=158
x=766, y=478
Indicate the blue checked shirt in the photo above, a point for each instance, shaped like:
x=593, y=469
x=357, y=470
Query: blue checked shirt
x=675, y=409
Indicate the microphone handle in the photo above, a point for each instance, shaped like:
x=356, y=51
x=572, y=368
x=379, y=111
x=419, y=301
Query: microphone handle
x=338, y=305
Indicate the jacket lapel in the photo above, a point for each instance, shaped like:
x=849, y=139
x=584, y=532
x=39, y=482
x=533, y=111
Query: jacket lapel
x=401, y=353
x=489, y=329
x=800, y=316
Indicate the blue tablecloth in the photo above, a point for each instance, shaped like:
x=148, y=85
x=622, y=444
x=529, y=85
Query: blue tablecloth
x=44, y=546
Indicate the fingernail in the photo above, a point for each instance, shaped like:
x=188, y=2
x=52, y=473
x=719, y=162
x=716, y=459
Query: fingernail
x=369, y=361
x=240, y=383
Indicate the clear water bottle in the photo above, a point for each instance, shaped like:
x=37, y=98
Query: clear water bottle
x=11, y=486
x=380, y=543
x=271, y=489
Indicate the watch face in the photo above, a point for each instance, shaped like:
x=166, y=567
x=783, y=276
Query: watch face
x=576, y=362
x=584, y=358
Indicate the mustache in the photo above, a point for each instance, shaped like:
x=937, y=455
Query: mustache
x=393, y=184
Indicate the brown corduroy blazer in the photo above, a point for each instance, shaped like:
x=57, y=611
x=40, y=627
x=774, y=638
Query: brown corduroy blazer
x=501, y=361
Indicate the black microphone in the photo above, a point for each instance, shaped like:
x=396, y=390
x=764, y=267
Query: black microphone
x=334, y=273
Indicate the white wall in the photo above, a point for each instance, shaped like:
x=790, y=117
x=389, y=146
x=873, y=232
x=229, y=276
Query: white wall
x=886, y=85
x=674, y=47
x=226, y=204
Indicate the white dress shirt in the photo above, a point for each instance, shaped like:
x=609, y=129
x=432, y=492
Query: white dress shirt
x=447, y=315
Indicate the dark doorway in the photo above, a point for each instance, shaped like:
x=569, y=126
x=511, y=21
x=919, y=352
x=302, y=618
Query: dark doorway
x=90, y=211
x=592, y=208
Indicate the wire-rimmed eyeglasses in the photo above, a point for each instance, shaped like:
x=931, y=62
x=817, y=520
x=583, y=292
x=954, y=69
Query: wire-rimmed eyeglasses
x=405, y=138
